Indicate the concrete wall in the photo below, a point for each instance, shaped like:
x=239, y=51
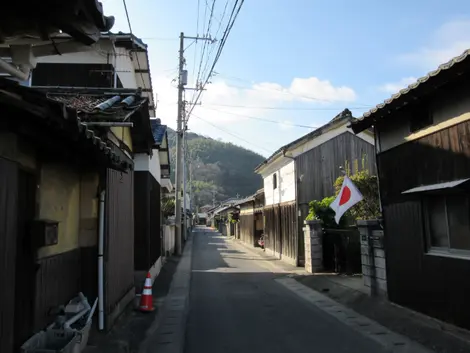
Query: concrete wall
x=285, y=190
x=59, y=200
x=89, y=209
x=448, y=109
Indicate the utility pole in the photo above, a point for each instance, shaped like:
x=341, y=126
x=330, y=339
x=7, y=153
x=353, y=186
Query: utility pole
x=179, y=131
x=179, y=170
x=185, y=152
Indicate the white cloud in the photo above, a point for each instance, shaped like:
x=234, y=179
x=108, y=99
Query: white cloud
x=316, y=89
x=450, y=40
x=394, y=87
x=223, y=103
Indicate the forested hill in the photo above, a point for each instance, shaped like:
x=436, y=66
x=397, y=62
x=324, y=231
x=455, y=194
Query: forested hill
x=218, y=168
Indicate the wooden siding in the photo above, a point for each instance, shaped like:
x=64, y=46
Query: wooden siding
x=247, y=228
x=289, y=235
x=319, y=167
x=57, y=281
x=119, y=246
x=434, y=285
x=280, y=230
x=439, y=157
x=8, y=227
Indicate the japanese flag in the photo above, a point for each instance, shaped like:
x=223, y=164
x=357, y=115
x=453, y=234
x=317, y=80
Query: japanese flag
x=347, y=198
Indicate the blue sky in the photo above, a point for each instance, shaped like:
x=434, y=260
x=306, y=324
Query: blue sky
x=305, y=60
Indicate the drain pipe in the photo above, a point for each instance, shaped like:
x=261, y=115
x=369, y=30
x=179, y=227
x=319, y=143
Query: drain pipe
x=101, y=263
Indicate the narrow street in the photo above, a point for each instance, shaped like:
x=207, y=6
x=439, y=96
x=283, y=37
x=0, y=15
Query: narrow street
x=237, y=306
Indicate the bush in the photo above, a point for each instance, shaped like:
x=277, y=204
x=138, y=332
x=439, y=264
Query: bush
x=321, y=210
x=369, y=207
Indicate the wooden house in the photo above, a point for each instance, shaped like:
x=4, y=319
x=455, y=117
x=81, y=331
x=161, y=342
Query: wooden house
x=66, y=189
x=251, y=218
x=423, y=157
x=305, y=170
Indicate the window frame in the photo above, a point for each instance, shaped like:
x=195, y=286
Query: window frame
x=435, y=250
x=274, y=181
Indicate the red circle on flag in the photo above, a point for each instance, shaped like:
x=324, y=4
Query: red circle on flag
x=345, y=196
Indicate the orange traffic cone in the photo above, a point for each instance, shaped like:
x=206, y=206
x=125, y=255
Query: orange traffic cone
x=146, y=299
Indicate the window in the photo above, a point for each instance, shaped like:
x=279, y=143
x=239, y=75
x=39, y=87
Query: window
x=274, y=181
x=447, y=223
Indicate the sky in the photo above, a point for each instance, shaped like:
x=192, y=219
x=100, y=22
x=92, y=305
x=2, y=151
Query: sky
x=290, y=66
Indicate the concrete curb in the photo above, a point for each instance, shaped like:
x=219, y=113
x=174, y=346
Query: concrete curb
x=167, y=334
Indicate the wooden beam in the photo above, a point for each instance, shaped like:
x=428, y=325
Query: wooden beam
x=140, y=71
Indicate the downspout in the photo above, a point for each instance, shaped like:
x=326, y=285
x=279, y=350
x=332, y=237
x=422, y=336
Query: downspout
x=101, y=263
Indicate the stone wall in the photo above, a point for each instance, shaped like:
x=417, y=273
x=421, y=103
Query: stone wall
x=313, y=235
x=373, y=257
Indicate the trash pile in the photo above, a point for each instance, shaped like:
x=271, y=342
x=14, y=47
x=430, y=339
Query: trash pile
x=68, y=333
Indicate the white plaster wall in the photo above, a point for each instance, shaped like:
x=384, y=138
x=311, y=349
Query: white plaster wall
x=125, y=68
x=143, y=162
x=451, y=108
x=285, y=190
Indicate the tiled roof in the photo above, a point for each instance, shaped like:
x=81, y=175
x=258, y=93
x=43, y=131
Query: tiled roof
x=158, y=130
x=66, y=119
x=106, y=107
x=427, y=79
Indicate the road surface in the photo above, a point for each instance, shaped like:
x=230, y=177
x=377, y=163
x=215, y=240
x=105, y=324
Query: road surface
x=236, y=306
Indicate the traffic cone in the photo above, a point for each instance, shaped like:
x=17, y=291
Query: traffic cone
x=146, y=299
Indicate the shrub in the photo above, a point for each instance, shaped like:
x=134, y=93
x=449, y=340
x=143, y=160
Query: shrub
x=369, y=207
x=321, y=210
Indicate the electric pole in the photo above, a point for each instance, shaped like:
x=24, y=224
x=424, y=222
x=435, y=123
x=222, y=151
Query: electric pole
x=185, y=151
x=179, y=131
x=179, y=165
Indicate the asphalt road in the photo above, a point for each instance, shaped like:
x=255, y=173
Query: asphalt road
x=237, y=306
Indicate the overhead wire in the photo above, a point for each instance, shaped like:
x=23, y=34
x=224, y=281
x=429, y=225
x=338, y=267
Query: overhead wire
x=136, y=56
x=264, y=119
x=231, y=133
x=234, y=15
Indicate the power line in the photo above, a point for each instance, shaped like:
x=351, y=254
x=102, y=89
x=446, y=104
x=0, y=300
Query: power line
x=133, y=44
x=231, y=133
x=234, y=15
x=280, y=108
x=264, y=119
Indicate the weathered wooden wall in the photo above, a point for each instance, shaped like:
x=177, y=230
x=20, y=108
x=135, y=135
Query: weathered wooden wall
x=434, y=285
x=280, y=230
x=319, y=168
x=438, y=157
x=119, y=245
x=8, y=225
x=57, y=281
x=247, y=228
